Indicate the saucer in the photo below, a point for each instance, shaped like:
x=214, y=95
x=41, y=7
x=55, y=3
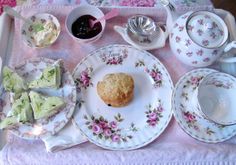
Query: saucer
x=157, y=42
x=193, y=124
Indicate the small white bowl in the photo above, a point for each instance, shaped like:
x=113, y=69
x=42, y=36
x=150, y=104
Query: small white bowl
x=80, y=11
x=29, y=36
x=216, y=98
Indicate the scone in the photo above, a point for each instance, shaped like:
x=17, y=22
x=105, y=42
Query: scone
x=116, y=89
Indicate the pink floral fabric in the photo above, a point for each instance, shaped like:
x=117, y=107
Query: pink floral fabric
x=11, y=3
x=137, y=3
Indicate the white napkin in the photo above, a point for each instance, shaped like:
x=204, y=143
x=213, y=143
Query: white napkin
x=68, y=137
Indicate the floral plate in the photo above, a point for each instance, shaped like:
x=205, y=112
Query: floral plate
x=189, y=120
x=30, y=70
x=143, y=119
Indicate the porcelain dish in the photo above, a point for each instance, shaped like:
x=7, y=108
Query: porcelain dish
x=42, y=38
x=185, y=114
x=143, y=119
x=216, y=93
x=29, y=70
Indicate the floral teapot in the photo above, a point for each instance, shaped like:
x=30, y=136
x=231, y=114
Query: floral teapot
x=197, y=38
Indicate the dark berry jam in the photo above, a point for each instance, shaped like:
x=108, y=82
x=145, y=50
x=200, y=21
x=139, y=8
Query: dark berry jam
x=81, y=28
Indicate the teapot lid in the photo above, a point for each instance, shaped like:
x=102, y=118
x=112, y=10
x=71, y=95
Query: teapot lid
x=207, y=29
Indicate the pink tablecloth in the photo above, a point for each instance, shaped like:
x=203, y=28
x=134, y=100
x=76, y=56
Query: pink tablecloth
x=172, y=147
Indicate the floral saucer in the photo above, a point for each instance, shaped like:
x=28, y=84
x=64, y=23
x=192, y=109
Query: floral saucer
x=189, y=120
x=143, y=119
x=29, y=70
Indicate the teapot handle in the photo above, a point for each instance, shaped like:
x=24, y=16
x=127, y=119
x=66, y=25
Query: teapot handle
x=230, y=46
x=228, y=59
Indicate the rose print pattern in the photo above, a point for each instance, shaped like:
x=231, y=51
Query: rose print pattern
x=154, y=114
x=206, y=59
x=190, y=119
x=177, y=39
x=215, y=52
x=84, y=79
x=189, y=54
x=190, y=27
x=114, y=59
x=188, y=42
x=179, y=51
x=199, y=52
x=205, y=42
x=213, y=35
x=194, y=82
x=181, y=28
x=194, y=62
x=108, y=130
x=220, y=84
x=176, y=25
x=200, y=21
x=156, y=75
x=200, y=32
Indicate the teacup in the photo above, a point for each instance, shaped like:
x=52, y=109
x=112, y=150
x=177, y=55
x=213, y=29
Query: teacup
x=215, y=98
x=80, y=11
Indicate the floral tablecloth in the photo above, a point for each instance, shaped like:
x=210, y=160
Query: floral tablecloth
x=174, y=146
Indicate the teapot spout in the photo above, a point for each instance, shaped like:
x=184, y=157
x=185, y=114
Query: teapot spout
x=171, y=14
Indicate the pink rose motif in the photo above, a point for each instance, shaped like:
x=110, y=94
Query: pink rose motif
x=103, y=124
x=137, y=3
x=157, y=77
x=200, y=32
x=213, y=35
x=194, y=80
x=97, y=129
x=206, y=59
x=152, y=122
x=215, y=52
x=86, y=82
x=107, y=132
x=205, y=42
x=153, y=74
x=179, y=51
x=194, y=62
x=188, y=42
x=113, y=124
x=200, y=52
x=146, y=69
x=190, y=28
x=160, y=109
x=177, y=39
x=189, y=117
x=152, y=116
x=176, y=25
x=181, y=28
x=189, y=54
x=115, y=138
x=200, y=21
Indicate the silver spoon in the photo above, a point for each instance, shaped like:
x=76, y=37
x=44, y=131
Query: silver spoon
x=36, y=26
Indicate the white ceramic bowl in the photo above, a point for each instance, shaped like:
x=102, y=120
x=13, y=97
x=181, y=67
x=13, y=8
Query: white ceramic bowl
x=80, y=11
x=216, y=98
x=28, y=34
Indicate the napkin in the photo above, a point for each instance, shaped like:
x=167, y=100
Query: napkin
x=68, y=137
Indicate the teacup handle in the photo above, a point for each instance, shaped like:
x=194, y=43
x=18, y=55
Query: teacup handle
x=229, y=59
